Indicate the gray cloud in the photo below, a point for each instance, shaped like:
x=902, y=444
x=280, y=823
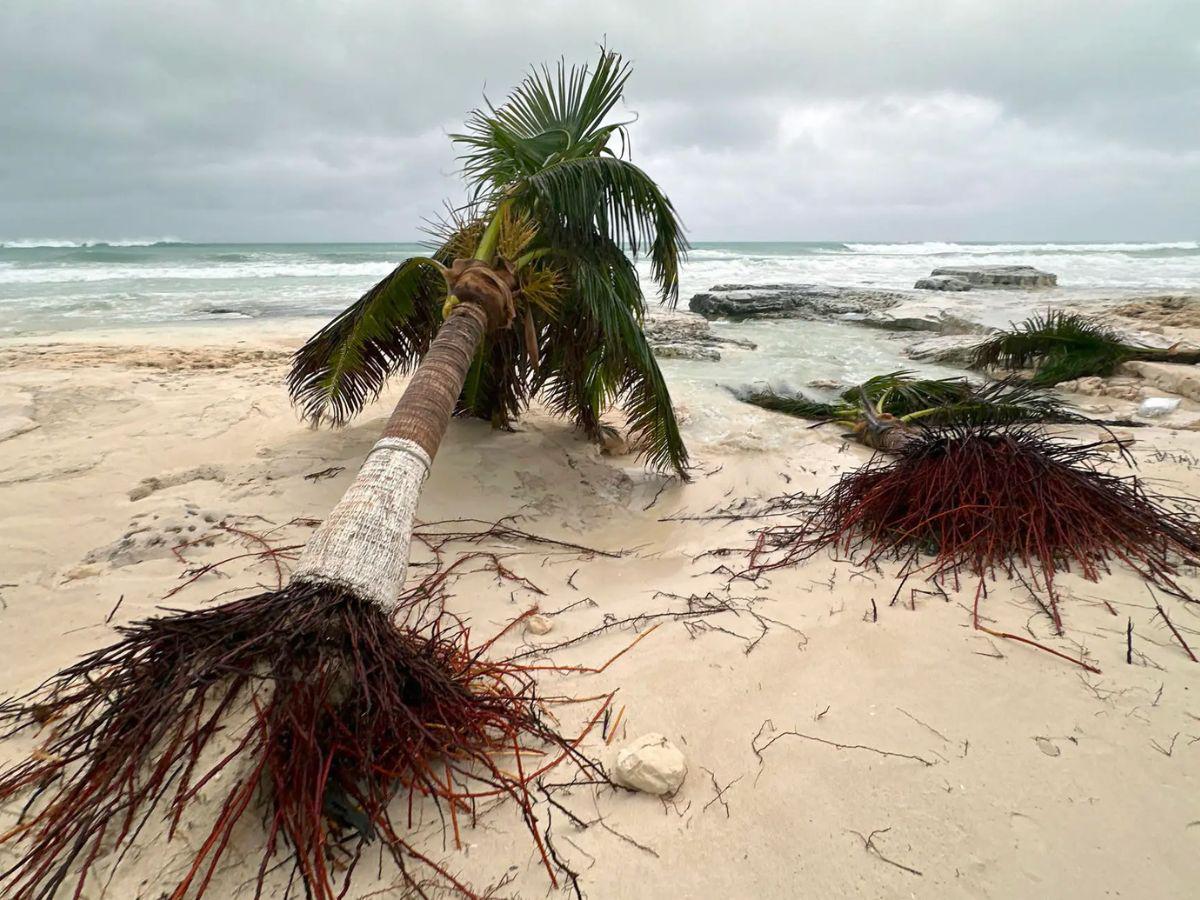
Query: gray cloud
x=967, y=119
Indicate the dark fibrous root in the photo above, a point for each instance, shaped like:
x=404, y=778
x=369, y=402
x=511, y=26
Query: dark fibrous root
x=986, y=499
x=306, y=703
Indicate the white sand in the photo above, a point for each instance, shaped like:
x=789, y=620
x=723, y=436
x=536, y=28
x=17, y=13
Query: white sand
x=1042, y=780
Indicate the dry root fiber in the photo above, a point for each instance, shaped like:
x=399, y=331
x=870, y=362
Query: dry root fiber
x=978, y=500
x=326, y=710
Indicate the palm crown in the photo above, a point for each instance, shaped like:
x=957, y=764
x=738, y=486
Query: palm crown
x=554, y=203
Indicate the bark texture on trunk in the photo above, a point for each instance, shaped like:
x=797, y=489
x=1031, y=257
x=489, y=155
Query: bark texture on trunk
x=363, y=544
x=428, y=403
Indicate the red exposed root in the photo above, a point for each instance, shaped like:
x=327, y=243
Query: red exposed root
x=305, y=699
x=978, y=500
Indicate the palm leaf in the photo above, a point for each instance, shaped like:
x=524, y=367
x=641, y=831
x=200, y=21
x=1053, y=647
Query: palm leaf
x=940, y=402
x=1059, y=346
x=900, y=393
x=797, y=405
x=596, y=354
x=552, y=164
x=999, y=403
x=615, y=200
x=546, y=150
x=345, y=364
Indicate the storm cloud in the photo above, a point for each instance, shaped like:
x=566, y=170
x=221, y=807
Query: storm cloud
x=872, y=120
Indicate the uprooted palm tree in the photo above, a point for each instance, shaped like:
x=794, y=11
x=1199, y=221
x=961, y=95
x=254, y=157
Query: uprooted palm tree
x=899, y=402
x=554, y=206
x=1061, y=346
x=314, y=700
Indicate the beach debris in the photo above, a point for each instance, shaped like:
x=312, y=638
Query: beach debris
x=651, y=764
x=1157, y=407
x=1062, y=346
x=538, y=625
x=982, y=500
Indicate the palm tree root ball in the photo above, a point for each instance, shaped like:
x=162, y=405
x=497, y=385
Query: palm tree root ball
x=976, y=500
x=343, y=712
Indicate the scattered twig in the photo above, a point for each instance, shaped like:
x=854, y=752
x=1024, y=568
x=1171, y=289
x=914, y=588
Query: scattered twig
x=758, y=751
x=869, y=845
x=719, y=791
x=331, y=472
x=113, y=611
x=627, y=839
x=1179, y=637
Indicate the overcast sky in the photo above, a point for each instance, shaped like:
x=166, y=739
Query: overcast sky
x=789, y=120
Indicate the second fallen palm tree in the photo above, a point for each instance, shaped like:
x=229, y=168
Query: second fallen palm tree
x=1060, y=346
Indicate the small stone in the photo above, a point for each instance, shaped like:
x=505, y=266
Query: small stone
x=1154, y=407
x=1047, y=746
x=613, y=443
x=651, y=764
x=538, y=625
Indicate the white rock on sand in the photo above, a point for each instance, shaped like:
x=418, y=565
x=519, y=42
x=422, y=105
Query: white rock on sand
x=651, y=764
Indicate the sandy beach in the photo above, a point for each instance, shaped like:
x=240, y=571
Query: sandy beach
x=830, y=751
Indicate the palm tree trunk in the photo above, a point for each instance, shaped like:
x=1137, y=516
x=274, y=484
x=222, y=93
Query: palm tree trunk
x=363, y=544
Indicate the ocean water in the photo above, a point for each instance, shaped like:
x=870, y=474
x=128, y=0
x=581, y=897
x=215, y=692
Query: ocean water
x=56, y=285
x=49, y=286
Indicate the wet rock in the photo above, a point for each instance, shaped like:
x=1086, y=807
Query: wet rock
x=651, y=764
x=680, y=335
x=790, y=301
x=942, y=283
x=1183, y=381
x=998, y=276
x=894, y=310
x=950, y=349
x=914, y=315
x=1095, y=386
x=1172, y=310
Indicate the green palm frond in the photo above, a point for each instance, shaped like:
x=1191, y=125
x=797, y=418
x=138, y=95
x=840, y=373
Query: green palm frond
x=796, y=405
x=552, y=164
x=547, y=150
x=1061, y=346
x=597, y=355
x=345, y=364
x=901, y=393
x=609, y=198
x=943, y=401
x=997, y=403
x=548, y=116
x=1058, y=346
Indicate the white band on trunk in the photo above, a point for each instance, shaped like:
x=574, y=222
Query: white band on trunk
x=363, y=544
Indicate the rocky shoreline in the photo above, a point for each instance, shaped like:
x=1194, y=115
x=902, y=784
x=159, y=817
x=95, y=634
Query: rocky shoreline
x=941, y=327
